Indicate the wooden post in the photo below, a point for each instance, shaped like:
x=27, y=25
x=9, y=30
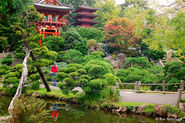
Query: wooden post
x=164, y=85
x=182, y=85
x=179, y=95
x=137, y=85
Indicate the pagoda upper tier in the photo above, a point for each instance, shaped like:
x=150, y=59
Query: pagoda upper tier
x=85, y=16
x=54, y=12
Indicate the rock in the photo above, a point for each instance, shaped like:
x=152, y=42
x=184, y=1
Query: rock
x=108, y=58
x=92, y=49
x=134, y=110
x=141, y=109
x=115, y=64
x=120, y=110
x=121, y=57
x=158, y=110
x=182, y=106
x=99, y=47
x=170, y=115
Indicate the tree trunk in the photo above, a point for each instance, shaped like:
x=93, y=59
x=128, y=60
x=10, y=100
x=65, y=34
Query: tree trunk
x=41, y=73
x=21, y=82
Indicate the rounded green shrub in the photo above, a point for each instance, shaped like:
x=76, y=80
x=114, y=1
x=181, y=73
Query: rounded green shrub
x=112, y=79
x=73, y=56
x=98, y=84
x=97, y=70
x=106, y=66
x=91, y=42
x=102, y=54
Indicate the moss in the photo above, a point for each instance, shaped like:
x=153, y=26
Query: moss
x=149, y=109
x=172, y=109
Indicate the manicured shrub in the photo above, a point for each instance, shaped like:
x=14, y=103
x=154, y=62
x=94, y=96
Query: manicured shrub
x=140, y=61
x=102, y=54
x=90, y=33
x=73, y=56
x=107, y=68
x=88, y=58
x=53, y=43
x=96, y=71
x=71, y=38
x=7, y=61
x=91, y=42
x=60, y=56
x=98, y=84
x=111, y=79
x=82, y=48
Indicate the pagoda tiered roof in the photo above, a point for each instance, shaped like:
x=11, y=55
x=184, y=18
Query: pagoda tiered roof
x=52, y=5
x=85, y=7
x=79, y=15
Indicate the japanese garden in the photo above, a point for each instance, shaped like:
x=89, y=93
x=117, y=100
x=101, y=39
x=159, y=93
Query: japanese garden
x=92, y=61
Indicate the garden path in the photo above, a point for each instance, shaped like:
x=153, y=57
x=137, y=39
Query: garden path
x=127, y=96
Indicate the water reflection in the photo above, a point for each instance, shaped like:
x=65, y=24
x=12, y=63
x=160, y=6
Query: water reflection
x=65, y=113
x=54, y=111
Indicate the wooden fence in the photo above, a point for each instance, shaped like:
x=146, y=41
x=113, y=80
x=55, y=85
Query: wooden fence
x=138, y=84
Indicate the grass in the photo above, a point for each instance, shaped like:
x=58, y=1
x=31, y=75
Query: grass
x=55, y=93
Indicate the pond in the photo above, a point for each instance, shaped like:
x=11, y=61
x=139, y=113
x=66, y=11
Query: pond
x=75, y=114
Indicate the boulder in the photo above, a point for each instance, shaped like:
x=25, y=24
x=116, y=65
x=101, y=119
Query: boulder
x=109, y=58
x=170, y=115
x=141, y=109
x=182, y=106
x=158, y=110
x=121, y=57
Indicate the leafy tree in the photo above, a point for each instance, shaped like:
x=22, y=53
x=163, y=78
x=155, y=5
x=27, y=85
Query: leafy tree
x=174, y=71
x=119, y=33
x=130, y=8
x=107, y=9
x=76, y=4
x=71, y=38
x=53, y=43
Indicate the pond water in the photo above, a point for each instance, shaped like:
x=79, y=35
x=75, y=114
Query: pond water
x=74, y=114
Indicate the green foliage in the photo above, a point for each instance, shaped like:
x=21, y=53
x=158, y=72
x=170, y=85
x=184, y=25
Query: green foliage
x=174, y=71
x=30, y=110
x=82, y=48
x=53, y=43
x=71, y=38
x=96, y=70
x=111, y=79
x=91, y=42
x=154, y=54
x=133, y=74
x=172, y=109
x=149, y=109
x=104, y=67
x=35, y=85
x=90, y=33
x=88, y=58
x=4, y=69
x=7, y=61
x=140, y=61
x=102, y=54
x=60, y=56
x=97, y=84
x=73, y=56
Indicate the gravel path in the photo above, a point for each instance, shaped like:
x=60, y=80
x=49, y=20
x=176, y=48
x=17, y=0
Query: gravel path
x=149, y=98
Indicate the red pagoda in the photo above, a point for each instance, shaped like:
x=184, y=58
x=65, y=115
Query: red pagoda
x=85, y=16
x=54, y=12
